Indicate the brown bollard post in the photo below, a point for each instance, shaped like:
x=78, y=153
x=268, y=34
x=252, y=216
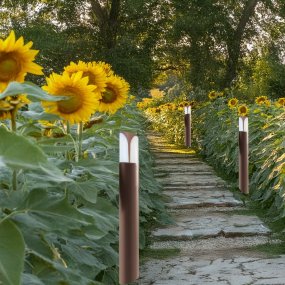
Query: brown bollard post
x=187, y=121
x=243, y=155
x=128, y=209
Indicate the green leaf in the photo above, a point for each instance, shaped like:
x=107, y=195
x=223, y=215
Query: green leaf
x=52, y=212
x=20, y=153
x=33, y=92
x=12, y=252
x=29, y=279
x=39, y=116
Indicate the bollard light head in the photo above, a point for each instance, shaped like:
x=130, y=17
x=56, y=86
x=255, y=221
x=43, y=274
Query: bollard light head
x=187, y=110
x=129, y=148
x=243, y=124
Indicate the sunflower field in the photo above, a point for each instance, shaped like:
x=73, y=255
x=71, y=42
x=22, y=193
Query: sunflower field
x=215, y=137
x=59, y=170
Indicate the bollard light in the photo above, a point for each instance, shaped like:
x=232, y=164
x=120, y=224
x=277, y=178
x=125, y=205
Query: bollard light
x=187, y=121
x=243, y=124
x=187, y=110
x=128, y=208
x=243, y=155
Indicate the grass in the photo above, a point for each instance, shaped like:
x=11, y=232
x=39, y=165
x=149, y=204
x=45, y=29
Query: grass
x=271, y=250
x=161, y=253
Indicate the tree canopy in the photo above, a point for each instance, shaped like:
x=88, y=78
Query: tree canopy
x=211, y=43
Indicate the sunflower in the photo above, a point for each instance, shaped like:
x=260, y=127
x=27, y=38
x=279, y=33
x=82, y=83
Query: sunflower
x=267, y=103
x=16, y=60
x=84, y=99
x=5, y=108
x=157, y=110
x=106, y=67
x=243, y=110
x=281, y=102
x=261, y=100
x=232, y=103
x=212, y=95
x=96, y=74
x=156, y=93
x=10, y=103
x=115, y=94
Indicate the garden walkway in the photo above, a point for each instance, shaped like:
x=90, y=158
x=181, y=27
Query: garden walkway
x=213, y=231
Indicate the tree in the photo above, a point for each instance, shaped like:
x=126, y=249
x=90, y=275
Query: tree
x=123, y=33
x=234, y=42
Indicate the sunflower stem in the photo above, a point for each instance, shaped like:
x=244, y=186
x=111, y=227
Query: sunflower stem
x=13, y=120
x=67, y=128
x=68, y=132
x=80, y=137
x=14, y=129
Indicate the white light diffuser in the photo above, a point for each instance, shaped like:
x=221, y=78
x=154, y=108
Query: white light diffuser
x=124, y=148
x=134, y=150
x=129, y=148
x=243, y=124
x=187, y=110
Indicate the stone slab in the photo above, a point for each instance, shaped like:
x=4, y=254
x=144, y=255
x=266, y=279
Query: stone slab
x=192, y=270
x=201, y=198
x=189, y=170
x=202, y=187
x=167, y=183
x=181, y=178
x=183, y=168
x=171, y=155
x=219, y=224
x=179, y=161
x=212, y=244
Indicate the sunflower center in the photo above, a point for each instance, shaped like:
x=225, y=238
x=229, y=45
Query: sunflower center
x=243, y=110
x=70, y=105
x=91, y=76
x=109, y=96
x=9, y=67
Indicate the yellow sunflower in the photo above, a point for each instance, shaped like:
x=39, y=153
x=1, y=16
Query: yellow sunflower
x=267, y=103
x=115, y=95
x=232, y=103
x=243, y=110
x=157, y=110
x=155, y=93
x=281, y=102
x=16, y=60
x=5, y=108
x=10, y=103
x=212, y=95
x=106, y=67
x=83, y=102
x=261, y=100
x=96, y=74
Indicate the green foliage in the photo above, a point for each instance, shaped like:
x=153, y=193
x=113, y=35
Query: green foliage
x=15, y=152
x=65, y=230
x=32, y=91
x=11, y=254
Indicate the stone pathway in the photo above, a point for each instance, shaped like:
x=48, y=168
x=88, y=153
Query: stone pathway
x=214, y=239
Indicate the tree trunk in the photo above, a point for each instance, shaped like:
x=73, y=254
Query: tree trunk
x=234, y=43
x=108, y=20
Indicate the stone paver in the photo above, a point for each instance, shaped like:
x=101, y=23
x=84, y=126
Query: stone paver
x=211, y=226
x=201, y=198
x=236, y=270
x=214, y=240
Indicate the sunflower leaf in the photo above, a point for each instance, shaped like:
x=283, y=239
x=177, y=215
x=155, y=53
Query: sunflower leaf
x=33, y=92
x=16, y=150
x=11, y=254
